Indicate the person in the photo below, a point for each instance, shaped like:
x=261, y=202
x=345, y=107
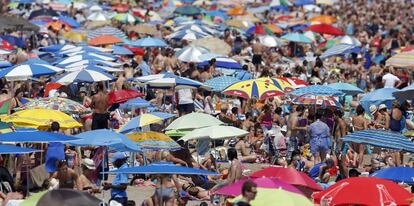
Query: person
x=359, y=123
x=340, y=129
x=68, y=197
x=235, y=169
x=100, y=116
x=293, y=128
x=16, y=101
x=66, y=176
x=120, y=182
x=88, y=168
x=265, y=118
x=249, y=191
x=185, y=101
x=390, y=80
x=319, y=138
x=257, y=50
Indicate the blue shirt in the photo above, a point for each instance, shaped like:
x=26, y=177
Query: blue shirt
x=319, y=129
x=118, y=180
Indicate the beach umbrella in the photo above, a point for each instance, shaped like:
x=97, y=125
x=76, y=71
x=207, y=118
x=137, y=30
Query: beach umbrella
x=350, y=40
x=74, y=37
x=162, y=168
x=120, y=7
x=144, y=120
x=169, y=80
x=11, y=149
x=153, y=141
x=149, y=42
x=43, y=13
x=303, y=2
x=363, y=191
x=125, y=18
x=223, y=62
x=404, y=59
x=56, y=103
x=187, y=35
x=381, y=139
x=325, y=29
x=289, y=175
x=56, y=48
x=41, y=118
x=97, y=17
x=218, y=84
x=325, y=2
x=313, y=9
x=136, y=103
x=86, y=62
x=241, y=24
x=84, y=75
x=121, y=96
x=346, y=88
x=214, y=45
x=107, y=30
x=78, y=60
x=234, y=189
x=143, y=29
x=279, y=196
x=311, y=99
x=188, y=10
x=317, y=90
x=261, y=88
x=197, y=28
x=295, y=83
x=403, y=175
x=177, y=133
x=12, y=40
x=30, y=68
x=104, y=40
x=16, y=23
x=34, y=136
x=119, y=50
x=105, y=138
x=69, y=21
x=407, y=93
x=296, y=37
x=271, y=41
x=377, y=97
x=238, y=10
x=191, y=53
x=193, y=121
x=214, y=132
x=336, y=50
x=326, y=19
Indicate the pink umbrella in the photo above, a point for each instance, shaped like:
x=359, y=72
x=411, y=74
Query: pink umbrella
x=234, y=190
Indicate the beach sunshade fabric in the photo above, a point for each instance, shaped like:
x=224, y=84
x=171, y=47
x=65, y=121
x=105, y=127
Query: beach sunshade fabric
x=337, y=50
x=143, y=29
x=271, y=41
x=106, y=138
x=84, y=75
x=218, y=84
x=169, y=80
x=223, y=62
x=189, y=35
x=348, y=89
x=404, y=59
x=325, y=29
x=215, y=132
x=377, y=97
x=106, y=31
x=266, y=196
x=121, y=96
x=323, y=19
x=56, y=103
x=194, y=121
x=406, y=93
x=297, y=37
x=153, y=141
x=396, y=174
x=11, y=149
x=162, y=168
x=149, y=42
x=311, y=99
x=188, y=10
x=135, y=103
x=214, y=45
x=261, y=88
x=317, y=90
x=144, y=120
x=191, y=53
x=381, y=139
x=31, y=68
x=104, y=40
x=34, y=136
x=41, y=118
x=363, y=191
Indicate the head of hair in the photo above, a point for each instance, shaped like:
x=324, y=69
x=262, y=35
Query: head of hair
x=360, y=110
x=234, y=110
x=278, y=110
x=338, y=113
x=300, y=108
x=4, y=91
x=248, y=186
x=18, y=91
x=55, y=126
x=61, y=163
x=386, y=70
x=231, y=153
x=100, y=87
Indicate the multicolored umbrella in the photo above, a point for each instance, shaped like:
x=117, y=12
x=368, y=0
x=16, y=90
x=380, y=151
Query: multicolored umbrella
x=404, y=59
x=279, y=196
x=310, y=99
x=220, y=83
x=261, y=88
x=121, y=96
x=56, y=103
x=363, y=191
x=153, y=141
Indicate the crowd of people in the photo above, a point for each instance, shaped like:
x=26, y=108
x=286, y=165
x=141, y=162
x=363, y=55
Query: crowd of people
x=307, y=138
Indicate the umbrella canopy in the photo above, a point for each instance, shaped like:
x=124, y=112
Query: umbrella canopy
x=43, y=13
x=193, y=121
x=336, y=50
x=97, y=17
x=104, y=40
x=223, y=62
x=325, y=29
x=188, y=10
x=120, y=96
x=288, y=175
x=214, y=45
x=41, y=118
x=35, y=136
x=153, y=141
x=396, y=174
x=107, y=30
x=238, y=23
x=381, y=139
x=125, y=18
x=189, y=35
x=56, y=103
x=348, y=89
x=350, y=40
x=31, y=68
x=215, y=132
x=67, y=61
x=377, y=97
x=262, y=182
x=271, y=41
x=404, y=59
x=84, y=75
x=311, y=99
x=326, y=19
x=297, y=37
x=149, y=42
x=363, y=191
x=169, y=80
x=295, y=83
x=267, y=196
x=317, y=90
x=11, y=149
x=144, y=120
x=162, y=168
x=191, y=53
x=218, y=84
x=261, y=88
x=16, y=23
x=106, y=138
x=197, y=28
x=143, y=29
x=119, y=50
x=406, y=93
x=135, y=103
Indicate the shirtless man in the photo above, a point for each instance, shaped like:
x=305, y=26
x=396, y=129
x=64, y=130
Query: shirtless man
x=340, y=129
x=235, y=169
x=99, y=105
x=257, y=49
x=120, y=82
x=359, y=123
x=293, y=129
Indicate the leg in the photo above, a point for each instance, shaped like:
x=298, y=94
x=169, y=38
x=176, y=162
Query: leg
x=361, y=149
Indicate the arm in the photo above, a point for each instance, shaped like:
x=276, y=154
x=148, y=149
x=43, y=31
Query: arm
x=78, y=182
x=295, y=125
x=176, y=160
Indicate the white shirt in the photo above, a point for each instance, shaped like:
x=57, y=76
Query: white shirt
x=389, y=80
x=185, y=96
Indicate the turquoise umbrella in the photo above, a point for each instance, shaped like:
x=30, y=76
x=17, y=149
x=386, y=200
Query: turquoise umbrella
x=220, y=83
x=188, y=10
x=297, y=37
x=346, y=88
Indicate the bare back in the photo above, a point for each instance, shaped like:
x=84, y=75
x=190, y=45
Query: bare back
x=100, y=103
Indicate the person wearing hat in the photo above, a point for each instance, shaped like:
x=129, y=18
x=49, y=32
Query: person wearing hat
x=88, y=168
x=119, y=184
x=381, y=117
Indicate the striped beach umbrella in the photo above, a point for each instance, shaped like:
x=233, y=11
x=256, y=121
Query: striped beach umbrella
x=85, y=56
x=30, y=68
x=338, y=49
x=188, y=35
x=404, y=59
x=191, y=53
x=84, y=75
x=107, y=30
x=144, y=120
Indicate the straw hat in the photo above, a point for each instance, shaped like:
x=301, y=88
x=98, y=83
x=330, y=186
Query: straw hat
x=381, y=107
x=373, y=109
x=88, y=163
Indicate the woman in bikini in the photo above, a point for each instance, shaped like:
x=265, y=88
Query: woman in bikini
x=359, y=123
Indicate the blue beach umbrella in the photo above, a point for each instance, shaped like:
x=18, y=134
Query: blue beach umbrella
x=336, y=50
x=85, y=56
x=297, y=37
x=348, y=89
x=144, y=120
x=188, y=35
x=317, y=90
x=396, y=174
x=31, y=68
x=16, y=41
x=407, y=93
x=85, y=75
x=56, y=48
x=218, y=84
x=119, y=50
x=223, y=62
x=135, y=103
x=70, y=21
x=107, y=30
x=11, y=149
x=149, y=42
x=188, y=10
x=34, y=136
x=377, y=97
x=162, y=168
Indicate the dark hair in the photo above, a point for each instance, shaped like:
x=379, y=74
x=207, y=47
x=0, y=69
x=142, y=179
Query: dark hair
x=231, y=153
x=278, y=110
x=360, y=110
x=300, y=108
x=234, y=110
x=248, y=186
x=100, y=87
x=61, y=163
x=4, y=91
x=55, y=126
x=18, y=91
x=338, y=113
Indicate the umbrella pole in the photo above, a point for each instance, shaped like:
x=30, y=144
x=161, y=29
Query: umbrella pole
x=161, y=203
x=103, y=174
x=27, y=176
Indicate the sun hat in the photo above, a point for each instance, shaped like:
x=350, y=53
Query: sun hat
x=373, y=109
x=89, y=163
x=381, y=107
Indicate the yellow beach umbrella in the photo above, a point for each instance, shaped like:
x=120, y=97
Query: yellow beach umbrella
x=153, y=141
x=277, y=197
x=261, y=88
x=75, y=37
x=41, y=118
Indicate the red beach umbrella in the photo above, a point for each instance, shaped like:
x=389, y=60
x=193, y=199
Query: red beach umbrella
x=120, y=96
x=325, y=29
